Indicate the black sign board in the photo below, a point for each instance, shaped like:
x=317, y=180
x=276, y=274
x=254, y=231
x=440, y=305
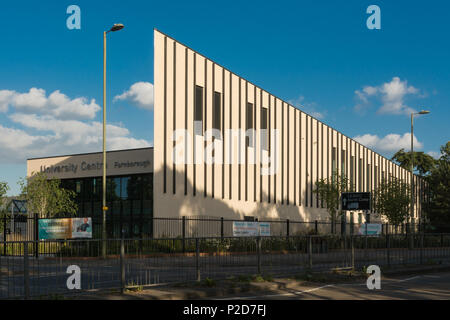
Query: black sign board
x=356, y=201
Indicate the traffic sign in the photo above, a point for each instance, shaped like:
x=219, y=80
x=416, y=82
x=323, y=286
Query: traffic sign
x=356, y=201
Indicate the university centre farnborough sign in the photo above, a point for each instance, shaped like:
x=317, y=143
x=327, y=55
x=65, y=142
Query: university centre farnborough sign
x=88, y=166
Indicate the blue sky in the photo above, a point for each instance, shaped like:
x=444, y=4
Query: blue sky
x=318, y=54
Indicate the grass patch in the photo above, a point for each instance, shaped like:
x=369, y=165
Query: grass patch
x=208, y=282
x=252, y=278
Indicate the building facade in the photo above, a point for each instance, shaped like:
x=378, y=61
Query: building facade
x=266, y=154
x=223, y=148
x=129, y=187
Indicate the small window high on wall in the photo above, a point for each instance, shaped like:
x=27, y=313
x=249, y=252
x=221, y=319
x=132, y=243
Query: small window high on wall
x=249, y=124
x=264, y=131
x=217, y=111
x=198, y=111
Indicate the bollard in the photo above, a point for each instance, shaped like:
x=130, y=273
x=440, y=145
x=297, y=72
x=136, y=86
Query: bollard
x=26, y=272
x=122, y=266
x=197, y=259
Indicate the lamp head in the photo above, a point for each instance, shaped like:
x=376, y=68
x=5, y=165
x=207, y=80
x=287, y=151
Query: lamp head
x=117, y=27
x=424, y=112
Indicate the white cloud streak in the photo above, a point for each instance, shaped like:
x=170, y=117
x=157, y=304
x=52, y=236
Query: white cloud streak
x=55, y=124
x=389, y=143
x=308, y=107
x=56, y=104
x=391, y=94
x=140, y=93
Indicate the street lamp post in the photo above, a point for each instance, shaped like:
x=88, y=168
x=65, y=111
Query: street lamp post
x=115, y=27
x=412, y=162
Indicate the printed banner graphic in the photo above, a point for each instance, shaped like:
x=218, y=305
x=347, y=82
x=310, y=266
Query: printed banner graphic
x=373, y=229
x=67, y=228
x=251, y=229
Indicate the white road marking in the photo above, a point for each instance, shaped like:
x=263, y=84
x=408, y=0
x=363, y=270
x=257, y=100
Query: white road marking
x=279, y=294
x=322, y=287
x=403, y=280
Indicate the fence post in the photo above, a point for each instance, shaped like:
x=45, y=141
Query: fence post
x=36, y=235
x=258, y=251
x=122, y=265
x=316, y=227
x=26, y=271
x=4, y=235
x=388, y=250
x=310, y=262
x=183, y=221
x=287, y=228
x=197, y=259
x=442, y=240
x=421, y=248
x=353, y=252
x=221, y=228
x=365, y=243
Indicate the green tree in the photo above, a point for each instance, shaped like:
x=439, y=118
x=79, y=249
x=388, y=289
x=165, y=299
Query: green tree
x=437, y=209
x=46, y=198
x=329, y=190
x=392, y=199
x=3, y=190
x=3, y=211
x=423, y=163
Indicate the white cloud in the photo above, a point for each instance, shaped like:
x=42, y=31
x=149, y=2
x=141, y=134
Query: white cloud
x=434, y=154
x=141, y=93
x=5, y=99
x=389, y=143
x=55, y=124
x=392, y=95
x=60, y=137
x=308, y=107
x=56, y=104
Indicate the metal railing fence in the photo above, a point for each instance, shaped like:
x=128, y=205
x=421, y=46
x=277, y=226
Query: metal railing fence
x=144, y=262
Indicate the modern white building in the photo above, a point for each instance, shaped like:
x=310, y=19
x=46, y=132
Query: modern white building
x=203, y=111
x=223, y=147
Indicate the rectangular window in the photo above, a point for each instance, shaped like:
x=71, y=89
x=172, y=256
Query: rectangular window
x=343, y=165
x=264, y=131
x=249, y=124
x=333, y=161
x=217, y=123
x=352, y=175
x=369, y=178
x=249, y=116
x=360, y=175
x=376, y=177
x=198, y=112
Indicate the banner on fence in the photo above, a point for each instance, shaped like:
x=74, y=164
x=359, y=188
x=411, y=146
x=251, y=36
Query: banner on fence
x=371, y=229
x=251, y=229
x=67, y=228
